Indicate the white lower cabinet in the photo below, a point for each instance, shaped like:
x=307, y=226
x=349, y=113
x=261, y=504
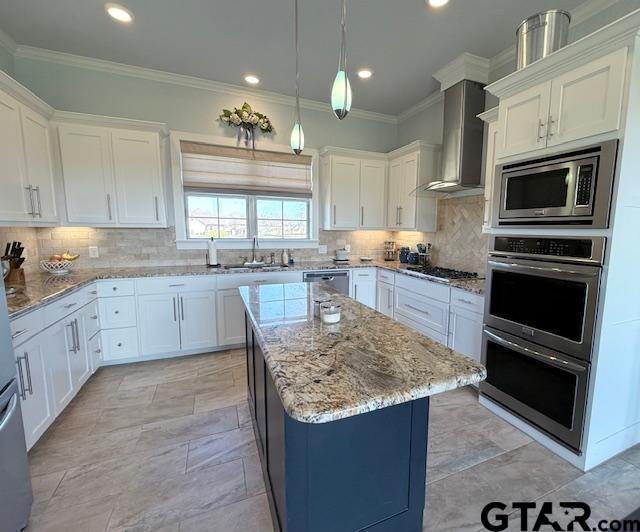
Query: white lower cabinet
x=58, y=357
x=37, y=410
x=158, y=323
x=120, y=344
x=231, y=329
x=94, y=347
x=78, y=354
x=465, y=323
x=363, y=286
x=384, y=298
x=198, y=320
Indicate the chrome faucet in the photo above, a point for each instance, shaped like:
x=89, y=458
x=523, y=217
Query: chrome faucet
x=254, y=262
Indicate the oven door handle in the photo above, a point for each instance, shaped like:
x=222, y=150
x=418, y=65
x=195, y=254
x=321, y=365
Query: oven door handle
x=514, y=266
x=554, y=361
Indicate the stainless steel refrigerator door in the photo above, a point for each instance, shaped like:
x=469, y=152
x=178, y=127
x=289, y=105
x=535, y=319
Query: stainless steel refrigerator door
x=15, y=483
x=7, y=360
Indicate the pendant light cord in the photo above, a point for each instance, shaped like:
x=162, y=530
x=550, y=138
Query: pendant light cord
x=297, y=67
x=343, y=52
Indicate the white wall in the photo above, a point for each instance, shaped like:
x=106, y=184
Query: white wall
x=79, y=89
x=425, y=125
x=6, y=60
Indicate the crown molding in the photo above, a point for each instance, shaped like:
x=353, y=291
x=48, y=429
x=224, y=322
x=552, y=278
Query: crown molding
x=433, y=99
x=348, y=152
x=490, y=115
x=465, y=66
x=589, y=9
x=109, y=121
x=416, y=145
x=100, y=65
x=24, y=95
x=7, y=42
x=614, y=36
x=507, y=56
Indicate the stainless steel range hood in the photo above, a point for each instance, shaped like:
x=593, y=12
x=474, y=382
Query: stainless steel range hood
x=462, y=140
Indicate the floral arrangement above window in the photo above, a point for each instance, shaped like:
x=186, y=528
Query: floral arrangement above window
x=247, y=118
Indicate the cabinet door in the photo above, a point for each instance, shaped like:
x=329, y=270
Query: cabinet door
x=523, y=121
x=364, y=287
x=395, y=189
x=88, y=174
x=138, y=178
x=588, y=100
x=37, y=410
x=465, y=332
x=94, y=346
x=38, y=166
x=58, y=361
x=489, y=173
x=79, y=355
x=373, y=186
x=15, y=204
x=230, y=317
x=345, y=187
x=198, y=320
x=408, y=199
x=384, y=299
x=158, y=323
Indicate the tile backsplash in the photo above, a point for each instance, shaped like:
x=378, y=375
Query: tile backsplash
x=458, y=243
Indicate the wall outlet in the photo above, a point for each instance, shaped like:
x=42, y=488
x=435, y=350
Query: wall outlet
x=347, y=248
x=322, y=250
x=93, y=252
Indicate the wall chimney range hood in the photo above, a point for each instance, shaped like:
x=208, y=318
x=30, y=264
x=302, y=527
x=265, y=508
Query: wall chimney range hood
x=463, y=82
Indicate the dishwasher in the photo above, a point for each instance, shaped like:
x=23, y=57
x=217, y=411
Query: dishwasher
x=338, y=279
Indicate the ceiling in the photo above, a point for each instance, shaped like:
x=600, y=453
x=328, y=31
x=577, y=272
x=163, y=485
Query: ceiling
x=404, y=41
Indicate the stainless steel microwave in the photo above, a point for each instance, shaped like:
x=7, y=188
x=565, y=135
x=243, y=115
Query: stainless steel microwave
x=567, y=189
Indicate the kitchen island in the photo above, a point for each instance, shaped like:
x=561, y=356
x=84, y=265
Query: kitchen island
x=340, y=412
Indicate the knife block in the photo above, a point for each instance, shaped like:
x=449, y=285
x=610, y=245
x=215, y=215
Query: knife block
x=15, y=275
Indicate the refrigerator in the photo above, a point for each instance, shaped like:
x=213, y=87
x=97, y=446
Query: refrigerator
x=16, y=495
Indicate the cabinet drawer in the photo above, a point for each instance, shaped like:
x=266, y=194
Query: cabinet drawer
x=423, y=287
x=26, y=326
x=467, y=300
x=56, y=310
x=427, y=331
x=92, y=319
x=165, y=285
x=118, y=312
x=113, y=288
x=120, y=343
x=234, y=280
x=386, y=276
x=423, y=310
x=363, y=274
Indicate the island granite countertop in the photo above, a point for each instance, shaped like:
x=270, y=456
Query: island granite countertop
x=42, y=288
x=365, y=362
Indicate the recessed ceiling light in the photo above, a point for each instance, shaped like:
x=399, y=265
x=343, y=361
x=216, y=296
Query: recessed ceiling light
x=438, y=3
x=365, y=73
x=120, y=13
x=252, y=79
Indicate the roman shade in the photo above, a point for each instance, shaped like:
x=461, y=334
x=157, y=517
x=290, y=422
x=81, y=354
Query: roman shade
x=223, y=168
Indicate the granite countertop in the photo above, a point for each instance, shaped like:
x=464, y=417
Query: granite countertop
x=41, y=287
x=365, y=362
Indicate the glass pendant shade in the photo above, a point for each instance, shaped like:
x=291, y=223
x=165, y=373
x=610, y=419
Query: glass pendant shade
x=297, y=138
x=341, y=95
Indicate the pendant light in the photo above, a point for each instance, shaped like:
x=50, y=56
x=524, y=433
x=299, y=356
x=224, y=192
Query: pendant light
x=341, y=90
x=297, y=135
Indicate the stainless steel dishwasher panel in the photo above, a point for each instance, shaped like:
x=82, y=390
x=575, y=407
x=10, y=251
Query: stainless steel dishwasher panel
x=338, y=279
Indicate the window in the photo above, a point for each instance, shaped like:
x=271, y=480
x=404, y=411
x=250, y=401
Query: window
x=211, y=214
x=217, y=216
x=282, y=218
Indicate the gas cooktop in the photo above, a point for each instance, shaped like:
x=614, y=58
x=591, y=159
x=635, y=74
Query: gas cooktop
x=442, y=274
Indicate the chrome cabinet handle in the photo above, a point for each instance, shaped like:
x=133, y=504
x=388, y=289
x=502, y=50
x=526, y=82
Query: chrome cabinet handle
x=361, y=215
x=355, y=291
x=119, y=344
x=466, y=301
x=94, y=317
x=117, y=312
x=28, y=368
x=174, y=285
x=182, y=307
x=257, y=281
x=541, y=124
x=155, y=199
x=77, y=332
x=334, y=214
x=175, y=316
x=37, y=191
x=94, y=292
x=389, y=298
x=109, y=206
x=114, y=288
x=70, y=305
x=23, y=393
x=18, y=333
x=73, y=338
x=29, y=189
x=421, y=311
x=399, y=215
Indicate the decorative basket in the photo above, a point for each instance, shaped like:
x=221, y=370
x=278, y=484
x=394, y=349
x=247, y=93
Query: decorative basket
x=58, y=267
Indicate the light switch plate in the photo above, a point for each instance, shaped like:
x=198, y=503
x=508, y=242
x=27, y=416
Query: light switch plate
x=322, y=250
x=347, y=248
x=93, y=252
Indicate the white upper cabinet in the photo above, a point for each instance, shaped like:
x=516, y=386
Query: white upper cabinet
x=38, y=166
x=578, y=104
x=345, y=188
x=14, y=205
x=88, y=174
x=395, y=191
x=490, y=118
x=523, y=121
x=588, y=100
x=111, y=176
x=373, y=187
x=138, y=177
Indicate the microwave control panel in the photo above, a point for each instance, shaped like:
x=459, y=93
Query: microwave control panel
x=583, y=189
x=558, y=247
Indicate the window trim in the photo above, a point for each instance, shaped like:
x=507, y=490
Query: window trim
x=179, y=218
x=189, y=193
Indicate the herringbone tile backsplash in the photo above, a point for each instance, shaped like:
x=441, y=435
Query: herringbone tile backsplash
x=459, y=242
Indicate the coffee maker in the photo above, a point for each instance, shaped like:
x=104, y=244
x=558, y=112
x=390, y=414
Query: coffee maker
x=390, y=250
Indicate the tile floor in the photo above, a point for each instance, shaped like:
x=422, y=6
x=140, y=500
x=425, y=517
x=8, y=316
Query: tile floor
x=167, y=446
